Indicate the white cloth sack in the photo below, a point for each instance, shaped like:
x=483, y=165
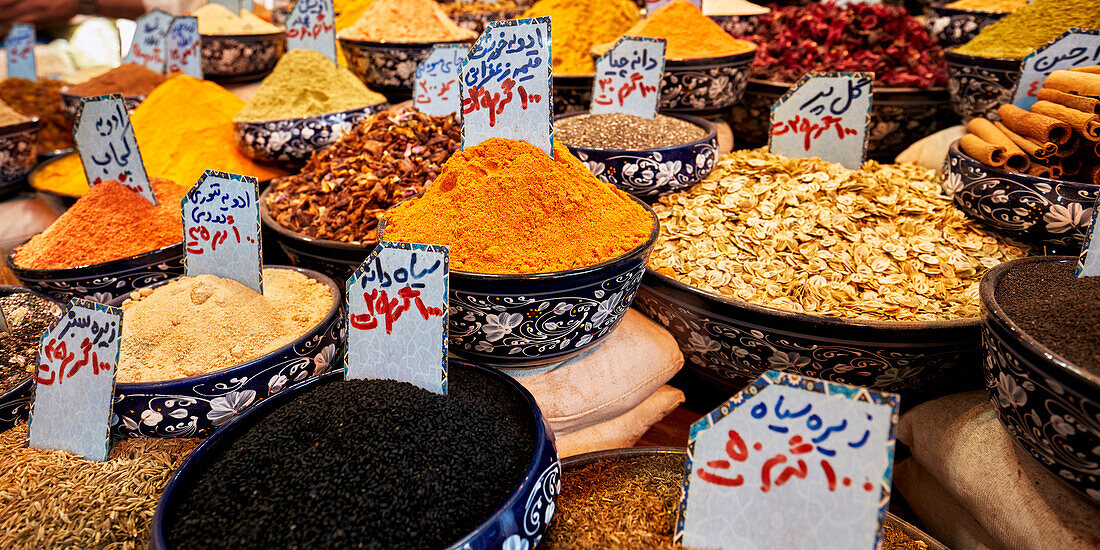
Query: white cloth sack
x=622, y=431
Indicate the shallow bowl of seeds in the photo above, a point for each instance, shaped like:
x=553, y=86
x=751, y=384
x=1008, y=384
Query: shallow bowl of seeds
x=19, y=351
x=650, y=161
x=1047, y=395
x=294, y=140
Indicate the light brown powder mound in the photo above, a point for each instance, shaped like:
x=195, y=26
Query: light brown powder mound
x=406, y=21
x=197, y=325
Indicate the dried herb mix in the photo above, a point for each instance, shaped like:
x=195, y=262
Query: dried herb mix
x=28, y=317
x=623, y=131
x=365, y=464
x=1056, y=308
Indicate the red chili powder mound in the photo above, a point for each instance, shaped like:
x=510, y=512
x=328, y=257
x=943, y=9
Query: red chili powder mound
x=108, y=223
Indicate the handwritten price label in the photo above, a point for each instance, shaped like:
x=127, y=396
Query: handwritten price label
x=825, y=115
x=183, y=40
x=150, y=44
x=1075, y=48
x=246, y=5
x=19, y=48
x=628, y=77
x=790, y=462
x=436, y=90
x=221, y=229
x=107, y=146
x=505, y=84
x=397, y=316
x=312, y=26
x=75, y=380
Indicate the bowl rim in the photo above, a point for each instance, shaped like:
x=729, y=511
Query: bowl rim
x=987, y=292
x=75, y=271
x=8, y=290
x=951, y=52
x=874, y=88
x=411, y=45
x=66, y=93
x=1020, y=177
x=247, y=37
x=709, y=127
x=18, y=127
x=333, y=311
x=542, y=435
x=243, y=124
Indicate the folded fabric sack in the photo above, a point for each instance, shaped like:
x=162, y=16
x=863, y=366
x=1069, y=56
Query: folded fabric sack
x=931, y=151
x=637, y=358
x=980, y=472
x=624, y=430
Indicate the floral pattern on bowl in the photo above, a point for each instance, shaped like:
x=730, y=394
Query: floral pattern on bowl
x=738, y=26
x=572, y=93
x=15, y=402
x=705, y=86
x=387, y=68
x=978, y=85
x=296, y=139
x=1050, y=407
x=1046, y=211
x=194, y=406
x=18, y=152
x=105, y=281
x=241, y=57
x=652, y=173
x=951, y=27
x=71, y=102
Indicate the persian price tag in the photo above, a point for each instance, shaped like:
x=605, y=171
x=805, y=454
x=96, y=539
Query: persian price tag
x=150, y=44
x=19, y=50
x=107, y=146
x=790, y=462
x=628, y=77
x=436, y=88
x=1075, y=48
x=311, y=25
x=75, y=381
x=397, y=315
x=505, y=84
x=1088, y=261
x=183, y=40
x=825, y=115
x=221, y=229
x=246, y=5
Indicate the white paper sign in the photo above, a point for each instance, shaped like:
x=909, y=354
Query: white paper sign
x=790, y=462
x=75, y=381
x=150, y=45
x=505, y=85
x=246, y=5
x=397, y=316
x=19, y=50
x=628, y=77
x=436, y=90
x=221, y=229
x=825, y=115
x=1075, y=48
x=184, y=54
x=233, y=5
x=107, y=146
x=311, y=25
x=654, y=5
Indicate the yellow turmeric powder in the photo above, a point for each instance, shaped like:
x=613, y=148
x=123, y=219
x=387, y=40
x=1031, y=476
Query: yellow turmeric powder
x=689, y=33
x=183, y=128
x=504, y=206
x=580, y=24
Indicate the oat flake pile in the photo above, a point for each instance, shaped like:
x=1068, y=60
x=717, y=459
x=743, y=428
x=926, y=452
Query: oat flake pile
x=810, y=236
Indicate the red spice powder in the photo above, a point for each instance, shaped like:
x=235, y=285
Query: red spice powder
x=108, y=223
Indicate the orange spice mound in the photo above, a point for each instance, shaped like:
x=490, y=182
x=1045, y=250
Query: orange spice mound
x=689, y=33
x=504, y=206
x=108, y=223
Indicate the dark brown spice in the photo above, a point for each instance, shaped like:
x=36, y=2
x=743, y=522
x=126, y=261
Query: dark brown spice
x=130, y=79
x=28, y=317
x=41, y=99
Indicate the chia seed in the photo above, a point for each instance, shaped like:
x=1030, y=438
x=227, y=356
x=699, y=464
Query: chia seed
x=364, y=464
x=623, y=131
x=28, y=317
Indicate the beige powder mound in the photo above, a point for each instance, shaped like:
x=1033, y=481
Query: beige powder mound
x=197, y=325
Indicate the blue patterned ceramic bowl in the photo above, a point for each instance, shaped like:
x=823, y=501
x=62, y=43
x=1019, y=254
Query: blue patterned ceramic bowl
x=899, y=116
x=388, y=68
x=18, y=152
x=477, y=21
x=333, y=258
x=105, y=281
x=196, y=405
x=978, y=85
x=730, y=342
x=295, y=139
x=241, y=57
x=1050, y=406
x=517, y=525
x=952, y=27
x=652, y=173
x=1041, y=210
x=15, y=402
x=738, y=26
x=71, y=102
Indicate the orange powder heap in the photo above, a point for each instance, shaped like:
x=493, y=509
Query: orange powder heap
x=689, y=33
x=504, y=206
x=108, y=223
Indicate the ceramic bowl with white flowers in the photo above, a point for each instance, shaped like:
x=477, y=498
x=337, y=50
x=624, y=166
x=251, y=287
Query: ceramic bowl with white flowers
x=653, y=173
x=104, y=281
x=519, y=524
x=194, y=406
x=1049, y=405
x=1054, y=213
x=388, y=68
x=296, y=139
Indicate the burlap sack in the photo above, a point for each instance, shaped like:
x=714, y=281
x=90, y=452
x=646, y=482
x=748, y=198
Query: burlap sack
x=625, y=430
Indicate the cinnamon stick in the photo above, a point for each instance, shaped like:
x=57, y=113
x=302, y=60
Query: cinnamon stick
x=1073, y=101
x=1055, y=170
x=1094, y=69
x=1084, y=124
x=1015, y=158
x=982, y=151
x=1039, y=170
x=1074, y=81
x=1035, y=126
x=1036, y=149
x=1092, y=175
x=1068, y=148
